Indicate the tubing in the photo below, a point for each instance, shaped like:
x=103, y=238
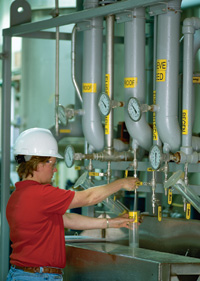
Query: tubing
x=189, y=27
x=109, y=80
x=134, y=42
x=73, y=59
x=167, y=77
x=92, y=78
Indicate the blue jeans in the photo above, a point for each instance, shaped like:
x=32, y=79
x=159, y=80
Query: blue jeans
x=20, y=275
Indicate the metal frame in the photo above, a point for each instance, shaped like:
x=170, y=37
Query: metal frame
x=36, y=30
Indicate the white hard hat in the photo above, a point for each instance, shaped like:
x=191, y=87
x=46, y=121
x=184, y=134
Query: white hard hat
x=36, y=142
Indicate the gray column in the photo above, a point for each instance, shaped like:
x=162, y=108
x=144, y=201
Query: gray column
x=5, y=161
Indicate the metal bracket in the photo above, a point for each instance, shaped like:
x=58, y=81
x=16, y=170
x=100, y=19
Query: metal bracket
x=84, y=25
x=155, y=10
x=20, y=12
x=128, y=15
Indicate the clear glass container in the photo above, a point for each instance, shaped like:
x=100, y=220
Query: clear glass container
x=134, y=230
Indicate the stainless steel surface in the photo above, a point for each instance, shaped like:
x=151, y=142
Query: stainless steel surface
x=107, y=261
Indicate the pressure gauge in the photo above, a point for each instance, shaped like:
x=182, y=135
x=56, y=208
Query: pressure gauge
x=134, y=109
x=69, y=156
x=155, y=157
x=62, y=115
x=104, y=104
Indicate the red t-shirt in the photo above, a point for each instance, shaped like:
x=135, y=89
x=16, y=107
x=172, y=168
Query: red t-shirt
x=34, y=213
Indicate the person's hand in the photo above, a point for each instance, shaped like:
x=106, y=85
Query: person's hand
x=130, y=183
x=121, y=221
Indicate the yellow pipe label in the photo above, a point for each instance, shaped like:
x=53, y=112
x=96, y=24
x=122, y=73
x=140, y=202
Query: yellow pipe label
x=155, y=132
x=89, y=87
x=133, y=215
x=184, y=122
x=159, y=213
x=161, y=67
x=65, y=131
x=188, y=211
x=77, y=168
x=196, y=80
x=107, y=90
x=169, y=196
x=93, y=174
x=126, y=174
x=130, y=82
x=150, y=169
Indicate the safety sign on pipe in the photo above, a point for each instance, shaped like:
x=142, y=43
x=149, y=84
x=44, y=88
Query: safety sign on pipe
x=107, y=90
x=130, y=82
x=155, y=132
x=161, y=67
x=89, y=88
x=184, y=122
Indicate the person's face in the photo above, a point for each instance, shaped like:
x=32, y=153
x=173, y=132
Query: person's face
x=47, y=170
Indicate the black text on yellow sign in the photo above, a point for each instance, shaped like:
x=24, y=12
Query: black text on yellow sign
x=107, y=84
x=159, y=213
x=161, y=67
x=130, y=82
x=188, y=211
x=107, y=90
x=134, y=216
x=155, y=132
x=89, y=87
x=184, y=122
x=169, y=196
x=196, y=80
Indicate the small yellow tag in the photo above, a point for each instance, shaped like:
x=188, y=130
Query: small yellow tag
x=77, y=168
x=126, y=174
x=169, y=196
x=134, y=215
x=93, y=174
x=159, y=213
x=188, y=211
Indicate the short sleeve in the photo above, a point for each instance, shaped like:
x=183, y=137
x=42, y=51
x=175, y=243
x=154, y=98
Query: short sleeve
x=56, y=200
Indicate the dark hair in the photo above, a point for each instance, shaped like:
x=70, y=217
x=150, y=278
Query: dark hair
x=24, y=169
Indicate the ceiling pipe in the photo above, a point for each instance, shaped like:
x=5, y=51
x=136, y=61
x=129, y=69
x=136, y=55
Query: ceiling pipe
x=92, y=80
x=167, y=77
x=134, y=43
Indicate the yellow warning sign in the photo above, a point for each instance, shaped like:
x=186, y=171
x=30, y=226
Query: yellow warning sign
x=89, y=88
x=161, y=67
x=184, y=122
x=130, y=82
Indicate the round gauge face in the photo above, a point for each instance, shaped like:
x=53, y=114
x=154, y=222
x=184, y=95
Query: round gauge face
x=62, y=115
x=134, y=110
x=155, y=157
x=69, y=156
x=104, y=104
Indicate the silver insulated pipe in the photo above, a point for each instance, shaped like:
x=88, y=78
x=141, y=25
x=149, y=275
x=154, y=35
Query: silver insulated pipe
x=92, y=80
x=134, y=81
x=167, y=77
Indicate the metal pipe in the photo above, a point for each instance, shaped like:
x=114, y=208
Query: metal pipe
x=189, y=27
x=92, y=81
x=109, y=83
x=134, y=82
x=73, y=63
x=167, y=77
x=57, y=72
x=5, y=158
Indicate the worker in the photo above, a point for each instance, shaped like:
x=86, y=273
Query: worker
x=36, y=211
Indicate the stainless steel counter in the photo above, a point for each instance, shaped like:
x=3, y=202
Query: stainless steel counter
x=107, y=261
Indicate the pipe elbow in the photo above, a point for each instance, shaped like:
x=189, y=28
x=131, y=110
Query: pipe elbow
x=190, y=25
